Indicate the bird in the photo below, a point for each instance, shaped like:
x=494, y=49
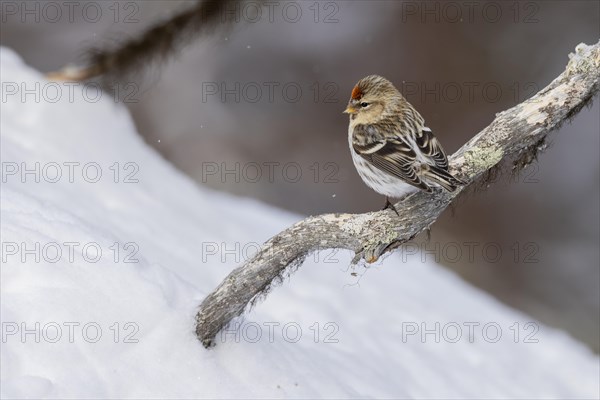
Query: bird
x=393, y=151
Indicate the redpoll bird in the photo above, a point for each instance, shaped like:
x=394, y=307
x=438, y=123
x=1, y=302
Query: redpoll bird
x=392, y=149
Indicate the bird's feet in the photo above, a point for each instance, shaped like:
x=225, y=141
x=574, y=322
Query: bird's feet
x=389, y=205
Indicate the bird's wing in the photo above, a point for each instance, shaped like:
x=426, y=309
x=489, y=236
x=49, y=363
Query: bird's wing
x=431, y=148
x=393, y=156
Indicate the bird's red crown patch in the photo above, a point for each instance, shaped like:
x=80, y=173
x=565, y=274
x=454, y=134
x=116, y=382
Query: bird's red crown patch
x=356, y=93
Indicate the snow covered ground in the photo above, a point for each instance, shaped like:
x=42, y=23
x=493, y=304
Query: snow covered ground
x=107, y=250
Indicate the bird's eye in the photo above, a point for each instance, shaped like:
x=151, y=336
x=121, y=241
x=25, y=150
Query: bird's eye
x=363, y=104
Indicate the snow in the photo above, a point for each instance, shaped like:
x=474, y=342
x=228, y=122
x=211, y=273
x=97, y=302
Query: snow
x=355, y=336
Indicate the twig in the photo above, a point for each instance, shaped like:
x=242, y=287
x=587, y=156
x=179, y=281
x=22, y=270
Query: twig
x=156, y=44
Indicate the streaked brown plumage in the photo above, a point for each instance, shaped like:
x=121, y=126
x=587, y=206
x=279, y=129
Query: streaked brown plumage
x=392, y=149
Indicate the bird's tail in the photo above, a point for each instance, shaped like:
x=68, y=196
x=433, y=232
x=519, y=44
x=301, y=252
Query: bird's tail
x=442, y=177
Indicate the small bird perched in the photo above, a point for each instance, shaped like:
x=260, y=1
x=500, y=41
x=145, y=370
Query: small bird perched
x=392, y=149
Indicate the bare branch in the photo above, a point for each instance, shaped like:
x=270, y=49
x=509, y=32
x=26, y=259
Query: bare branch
x=156, y=44
x=515, y=134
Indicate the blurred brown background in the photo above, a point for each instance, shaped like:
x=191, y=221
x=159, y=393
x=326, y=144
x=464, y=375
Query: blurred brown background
x=263, y=100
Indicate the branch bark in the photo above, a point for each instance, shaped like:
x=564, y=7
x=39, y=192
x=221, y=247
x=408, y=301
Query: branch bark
x=155, y=45
x=515, y=135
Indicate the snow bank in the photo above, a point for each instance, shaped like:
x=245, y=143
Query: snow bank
x=102, y=274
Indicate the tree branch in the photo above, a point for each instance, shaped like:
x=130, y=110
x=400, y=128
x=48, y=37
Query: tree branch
x=156, y=44
x=515, y=135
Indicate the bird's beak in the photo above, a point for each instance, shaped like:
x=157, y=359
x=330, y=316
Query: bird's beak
x=350, y=110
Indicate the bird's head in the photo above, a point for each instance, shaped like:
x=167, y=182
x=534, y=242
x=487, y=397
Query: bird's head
x=372, y=98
